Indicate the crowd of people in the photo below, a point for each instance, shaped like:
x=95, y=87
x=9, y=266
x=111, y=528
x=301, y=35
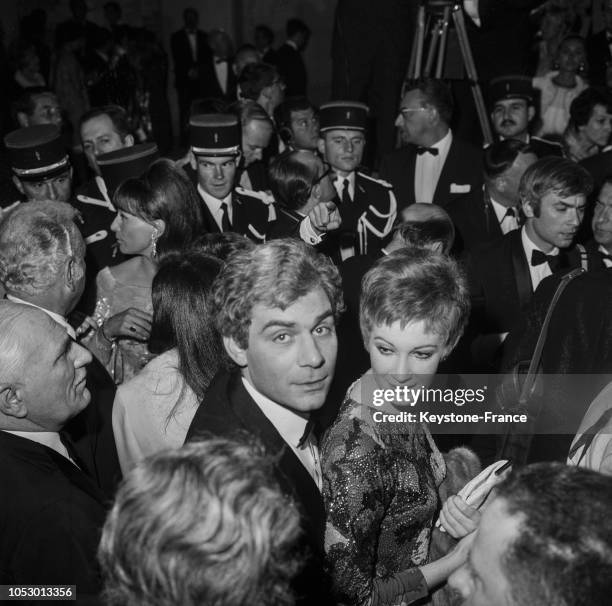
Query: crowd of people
x=204, y=341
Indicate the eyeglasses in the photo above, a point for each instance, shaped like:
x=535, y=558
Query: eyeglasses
x=328, y=171
x=407, y=110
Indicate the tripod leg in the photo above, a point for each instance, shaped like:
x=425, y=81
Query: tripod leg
x=433, y=46
x=443, y=37
x=470, y=67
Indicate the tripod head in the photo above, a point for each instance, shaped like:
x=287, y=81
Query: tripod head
x=437, y=7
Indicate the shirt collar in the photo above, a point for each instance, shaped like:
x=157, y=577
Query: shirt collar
x=529, y=246
x=50, y=439
x=56, y=317
x=214, y=204
x=443, y=145
x=288, y=423
x=339, y=183
x=500, y=209
x=292, y=44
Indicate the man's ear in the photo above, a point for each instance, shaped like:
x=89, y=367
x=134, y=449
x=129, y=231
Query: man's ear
x=531, y=113
x=315, y=192
x=128, y=141
x=22, y=119
x=72, y=274
x=18, y=185
x=527, y=209
x=235, y=352
x=11, y=402
x=321, y=146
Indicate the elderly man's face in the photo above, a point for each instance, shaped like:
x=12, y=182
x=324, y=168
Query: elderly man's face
x=482, y=580
x=255, y=138
x=58, y=188
x=602, y=218
x=53, y=373
x=291, y=353
x=414, y=120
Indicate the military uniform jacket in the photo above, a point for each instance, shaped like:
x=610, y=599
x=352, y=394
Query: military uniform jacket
x=368, y=220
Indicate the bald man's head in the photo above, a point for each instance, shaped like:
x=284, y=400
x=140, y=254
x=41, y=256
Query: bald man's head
x=424, y=226
x=42, y=371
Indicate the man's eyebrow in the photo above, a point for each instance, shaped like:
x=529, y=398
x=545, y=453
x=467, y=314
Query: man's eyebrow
x=286, y=324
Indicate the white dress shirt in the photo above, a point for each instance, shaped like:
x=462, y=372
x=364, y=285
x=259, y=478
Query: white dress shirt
x=538, y=272
x=214, y=206
x=428, y=169
x=193, y=44
x=339, y=185
x=290, y=426
x=221, y=72
x=506, y=222
x=602, y=249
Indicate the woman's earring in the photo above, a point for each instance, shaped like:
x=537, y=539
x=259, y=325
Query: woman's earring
x=154, y=237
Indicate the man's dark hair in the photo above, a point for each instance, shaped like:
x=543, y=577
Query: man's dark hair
x=500, y=156
x=117, y=115
x=296, y=26
x=437, y=94
x=266, y=32
x=291, y=180
x=282, y=114
x=563, y=551
x=255, y=77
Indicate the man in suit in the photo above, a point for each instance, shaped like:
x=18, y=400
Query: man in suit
x=277, y=306
x=215, y=149
x=367, y=206
x=598, y=50
x=218, y=77
x=262, y=83
x=303, y=191
x=487, y=214
x=51, y=512
x=512, y=109
x=505, y=274
x=42, y=265
x=433, y=166
x=190, y=51
x=289, y=59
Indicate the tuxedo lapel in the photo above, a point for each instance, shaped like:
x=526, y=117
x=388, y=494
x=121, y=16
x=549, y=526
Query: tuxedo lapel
x=520, y=266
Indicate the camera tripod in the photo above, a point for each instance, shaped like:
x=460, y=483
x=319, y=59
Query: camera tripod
x=435, y=16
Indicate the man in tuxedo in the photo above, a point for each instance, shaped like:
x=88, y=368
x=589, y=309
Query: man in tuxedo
x=42, y=265
x=433, y=166
x=289, y=59
x=367, y=206
x=277, y=306
x=487, y=214
x=51, y=512
x=218, y=77
x=505, y=274
x=262, y=83
x=215, y=149
x=512, y=109
x=303, y=191
x=599, y=54
x=190, y=51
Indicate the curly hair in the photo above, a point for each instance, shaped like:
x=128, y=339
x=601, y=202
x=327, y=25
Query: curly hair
x=274, y=274
x=203, y=524
x=412, y=285
x=37, y=239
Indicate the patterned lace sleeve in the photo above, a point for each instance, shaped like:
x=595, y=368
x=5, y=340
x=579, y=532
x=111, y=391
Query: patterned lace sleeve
x=355, y=509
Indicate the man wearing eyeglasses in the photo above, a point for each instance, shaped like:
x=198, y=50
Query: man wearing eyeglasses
x=303, y=191
x=433, y=166
x=367, y=206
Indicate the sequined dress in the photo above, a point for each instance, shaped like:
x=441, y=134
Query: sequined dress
x=114, y=297
x=380, y=491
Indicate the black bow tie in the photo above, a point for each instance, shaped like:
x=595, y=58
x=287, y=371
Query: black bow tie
x=538, y=258
x=429, y=150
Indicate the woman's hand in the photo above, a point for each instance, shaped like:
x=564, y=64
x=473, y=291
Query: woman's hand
x=132, y=323
x=458, y=518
